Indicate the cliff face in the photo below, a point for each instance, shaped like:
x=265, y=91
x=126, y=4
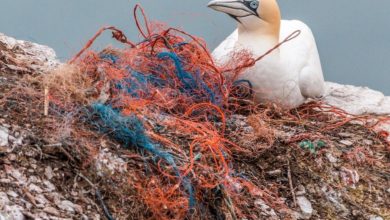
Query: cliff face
x=41, y=179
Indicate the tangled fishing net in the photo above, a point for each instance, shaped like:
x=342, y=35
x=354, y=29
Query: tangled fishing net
x=166, y=82
x=166, y=101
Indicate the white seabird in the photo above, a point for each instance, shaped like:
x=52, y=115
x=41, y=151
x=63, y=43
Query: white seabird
x=291, y=73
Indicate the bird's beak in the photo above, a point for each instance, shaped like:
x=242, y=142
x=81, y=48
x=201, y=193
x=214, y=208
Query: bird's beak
x=235, y=8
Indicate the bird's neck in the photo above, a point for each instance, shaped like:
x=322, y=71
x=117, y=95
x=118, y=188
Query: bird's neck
x=270, y=18
x=257, y=41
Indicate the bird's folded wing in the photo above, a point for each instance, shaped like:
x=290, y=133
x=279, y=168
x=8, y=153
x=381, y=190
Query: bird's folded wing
x=302, y=56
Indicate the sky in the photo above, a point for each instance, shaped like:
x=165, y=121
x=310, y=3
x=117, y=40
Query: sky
x=353, y=37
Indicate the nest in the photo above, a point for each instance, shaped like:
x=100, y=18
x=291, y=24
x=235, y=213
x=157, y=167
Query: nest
x=194, y=146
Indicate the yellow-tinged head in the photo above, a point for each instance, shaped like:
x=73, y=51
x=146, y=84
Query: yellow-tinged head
x=252, y=15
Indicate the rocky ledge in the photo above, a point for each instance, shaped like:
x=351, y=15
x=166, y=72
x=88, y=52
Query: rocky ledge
x=25, y=57
x=357, y=100
x=39, y=180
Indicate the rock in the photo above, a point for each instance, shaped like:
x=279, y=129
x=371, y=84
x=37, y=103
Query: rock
x=331, y=158
x=345, y=134
x=335, y=199
x=34, y=179
x=34, y=188
x=96, y=217
x=41, y=199
x=12, y=194
x=12, y=157
x=109, y=162
x=43, y=215
x=13, y=213
x=3, y=200
x=51, y=211
x=25, y=57
x=78, y=208
x=16, y=141
x=49, y=172
x=356, y=212
x=368, y=142
x=33, y=166
x=346, y=142
x=4, y=135
x=5, y=181
x=266, y=210
x=305, y=206
x=301, y=191
x=69, y=206
x=374, y=217
x=28, y=205
x=275, y=172
x=49, y=186
x=357, y=100
x=385, y=127
x=66, y=205
x=31, y=171
x=15, y=173
x=296, y=215
x=29, y=215
x=6, y=126
x=54, y=197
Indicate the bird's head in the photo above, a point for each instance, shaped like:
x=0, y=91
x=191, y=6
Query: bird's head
x=251, y=14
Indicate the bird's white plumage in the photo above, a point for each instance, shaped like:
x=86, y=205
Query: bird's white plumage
x=288, y=78
x=222, y=53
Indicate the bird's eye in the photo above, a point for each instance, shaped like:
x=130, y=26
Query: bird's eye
x=254, y=4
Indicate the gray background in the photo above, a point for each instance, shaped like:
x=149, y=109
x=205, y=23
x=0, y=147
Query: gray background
x=352, y=36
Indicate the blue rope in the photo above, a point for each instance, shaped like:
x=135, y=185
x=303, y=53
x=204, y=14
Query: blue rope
x=130, y=131
x=111, y=57
x=187, y=79
x=182, y=75
x=238, y=82
x=137, y=83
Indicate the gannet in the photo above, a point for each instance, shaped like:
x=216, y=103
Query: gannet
x=289, y=75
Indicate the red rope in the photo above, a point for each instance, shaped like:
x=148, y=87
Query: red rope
x=116, y=33
x=138, y=7
x=252, y=62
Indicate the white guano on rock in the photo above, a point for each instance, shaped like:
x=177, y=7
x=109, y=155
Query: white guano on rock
x=4, y=136
x=305, y=206
x=357, y=100
x=25, y=56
